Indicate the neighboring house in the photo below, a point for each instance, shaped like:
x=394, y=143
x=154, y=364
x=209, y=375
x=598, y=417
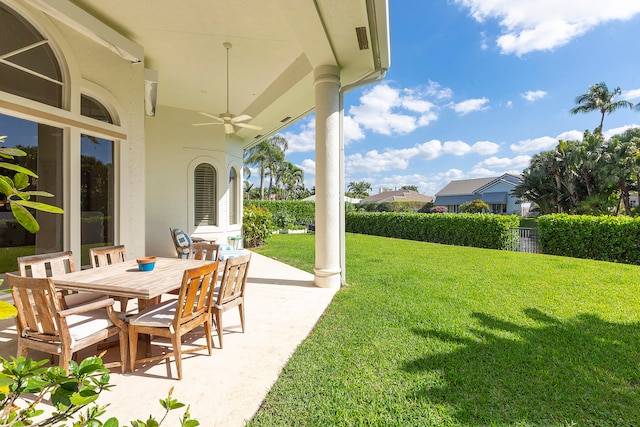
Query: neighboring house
x=108, y=92
x=312, y=198
x=496, y=192
x=392, y=196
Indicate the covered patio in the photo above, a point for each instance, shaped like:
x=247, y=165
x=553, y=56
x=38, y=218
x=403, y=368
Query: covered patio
x=227, y=388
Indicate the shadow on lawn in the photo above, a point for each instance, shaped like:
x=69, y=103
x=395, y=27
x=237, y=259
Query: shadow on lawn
x=584, y=370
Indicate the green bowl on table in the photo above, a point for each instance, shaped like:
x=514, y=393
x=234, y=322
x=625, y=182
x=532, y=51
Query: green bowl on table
x=146, y=263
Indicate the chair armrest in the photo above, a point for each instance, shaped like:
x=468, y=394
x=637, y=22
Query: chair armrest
x=94, y=305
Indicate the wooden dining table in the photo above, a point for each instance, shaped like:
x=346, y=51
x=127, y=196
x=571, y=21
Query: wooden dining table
x=126, y=280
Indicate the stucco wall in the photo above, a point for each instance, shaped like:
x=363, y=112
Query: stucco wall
x=174, y=148
x=117, y=83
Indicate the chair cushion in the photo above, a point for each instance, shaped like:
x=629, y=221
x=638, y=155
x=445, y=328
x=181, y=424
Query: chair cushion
x=79, y=298
x=160, y=315
x=86, y=324
x=224, y=255
x=181, y=238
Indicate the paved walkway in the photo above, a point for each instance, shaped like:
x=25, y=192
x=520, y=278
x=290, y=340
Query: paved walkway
x=227, y=388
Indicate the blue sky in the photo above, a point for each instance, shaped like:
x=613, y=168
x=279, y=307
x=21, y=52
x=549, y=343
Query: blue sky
x=476, y=87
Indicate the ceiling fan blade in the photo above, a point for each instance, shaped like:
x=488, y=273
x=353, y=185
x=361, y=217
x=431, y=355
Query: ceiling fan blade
x=229, y=129
x=248, y=126
x=241, y=118
x=211, y=116
x=206, y=124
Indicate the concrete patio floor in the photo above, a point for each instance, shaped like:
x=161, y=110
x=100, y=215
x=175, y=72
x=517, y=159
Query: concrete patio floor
x=227, y=388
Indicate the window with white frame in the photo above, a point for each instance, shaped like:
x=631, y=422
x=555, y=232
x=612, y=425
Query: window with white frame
x=233, y=196
x=204, y=193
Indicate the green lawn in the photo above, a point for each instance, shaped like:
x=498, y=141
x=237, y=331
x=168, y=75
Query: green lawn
x=432, y=335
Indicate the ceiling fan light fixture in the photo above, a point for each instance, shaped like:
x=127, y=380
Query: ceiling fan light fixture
x=227, y=119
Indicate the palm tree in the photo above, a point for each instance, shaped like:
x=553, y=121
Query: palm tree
x=291, y=176
x=265, y=155
x=599, y=98
x=359, y=190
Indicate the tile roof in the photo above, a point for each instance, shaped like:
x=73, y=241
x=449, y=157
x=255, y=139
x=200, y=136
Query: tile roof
x=391, y=196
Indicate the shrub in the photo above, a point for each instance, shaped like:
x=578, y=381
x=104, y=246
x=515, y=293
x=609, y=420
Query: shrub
x=439, y=209
x=606, y=238
x=473, y=206
x=482, y=231
x=303, y=212
x=257, y=224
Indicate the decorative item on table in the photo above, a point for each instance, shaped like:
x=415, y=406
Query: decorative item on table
x=146, y=263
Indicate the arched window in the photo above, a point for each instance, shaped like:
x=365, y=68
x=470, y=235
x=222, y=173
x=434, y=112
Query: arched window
x=232, y=195
x=28, y=66
x=205, y=198
x=97, y=181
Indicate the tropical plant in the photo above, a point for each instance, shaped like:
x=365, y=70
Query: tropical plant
x=266, y=155
x=410, y=188
x=257, y=224
x=73, y=395
x=358, y=190
x=600, y=98
x=473, y=206
x=14, y=190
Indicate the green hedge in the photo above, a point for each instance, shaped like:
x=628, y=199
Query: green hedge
x=478, y=230
x=606, y=238
x=395, y=206
x=303, y=212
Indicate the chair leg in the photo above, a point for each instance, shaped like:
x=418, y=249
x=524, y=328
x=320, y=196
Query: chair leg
x=218, y=320
x=123, y=304
x=123, y=337
x=133, y=347
x=65, y=356
x=207, y=333
x=176, y=341
x=22, y=350
x=241, y=308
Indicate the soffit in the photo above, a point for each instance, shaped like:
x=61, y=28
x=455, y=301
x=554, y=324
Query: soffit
x=276, y=44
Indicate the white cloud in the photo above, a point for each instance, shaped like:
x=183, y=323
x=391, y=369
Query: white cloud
x=391, y=159
x=387, y=111
x=303, y=141
x=308, y=166
x=460, y=148
x=509, y=104
x=534, y=145
x=352, y=130
x=631, y=95
x=616, y=131
x=571, y=135
x=528, y=26
x=437, y=91
x=470, y=105
x=534, y=95
x=518, y=162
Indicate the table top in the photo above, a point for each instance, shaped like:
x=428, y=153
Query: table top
x=125, y=279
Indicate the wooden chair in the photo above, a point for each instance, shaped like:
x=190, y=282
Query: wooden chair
x=53, y=264
x=231, y=292
x=44, y=325
x=204, y=251
x=174, y=318
x=107, y=255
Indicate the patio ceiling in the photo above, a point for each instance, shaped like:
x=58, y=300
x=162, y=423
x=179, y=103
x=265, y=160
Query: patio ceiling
x=276, y=45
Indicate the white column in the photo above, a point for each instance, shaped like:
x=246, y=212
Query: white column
x=327, y=94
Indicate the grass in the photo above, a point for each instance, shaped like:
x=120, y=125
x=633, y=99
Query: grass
x=435, y=335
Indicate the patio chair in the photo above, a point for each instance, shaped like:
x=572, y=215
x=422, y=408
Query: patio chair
x=181, y=242
x=231, y=292
x=204, y=251
x=53, y=264
x=107, y=255
x=44, y=325
x=174, y=318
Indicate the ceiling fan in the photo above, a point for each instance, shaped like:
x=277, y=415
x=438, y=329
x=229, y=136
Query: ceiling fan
x=227, y=119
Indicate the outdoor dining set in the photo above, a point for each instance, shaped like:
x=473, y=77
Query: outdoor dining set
x=62, y=310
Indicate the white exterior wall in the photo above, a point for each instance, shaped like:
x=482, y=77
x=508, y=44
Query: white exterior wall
x=174, y=148
x=119, y=85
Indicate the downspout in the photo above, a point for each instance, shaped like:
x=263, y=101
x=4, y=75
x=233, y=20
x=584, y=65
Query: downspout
x=381, y=72
x=375, y=76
